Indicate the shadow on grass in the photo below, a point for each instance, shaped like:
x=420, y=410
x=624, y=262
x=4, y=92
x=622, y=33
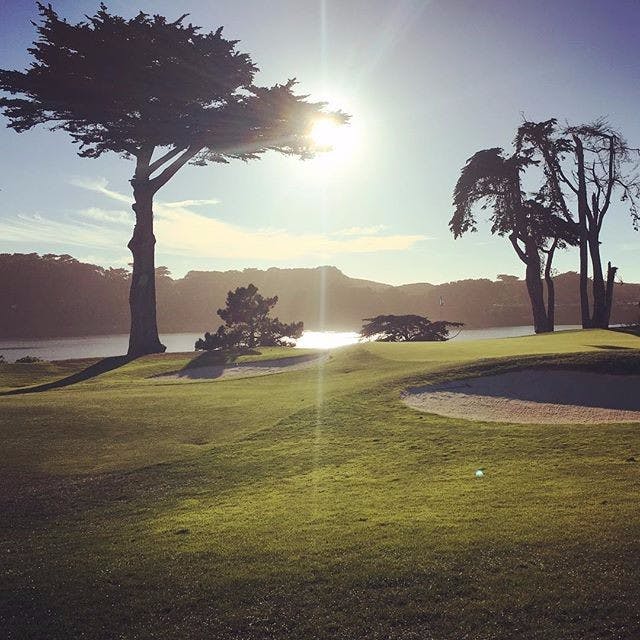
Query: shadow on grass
x=97, y=368
x=632, y=329
x=218, y=358
x=215, y=364
x=610, y=347
x=208, y=364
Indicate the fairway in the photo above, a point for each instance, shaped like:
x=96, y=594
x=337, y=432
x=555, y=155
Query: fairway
x=314, y=504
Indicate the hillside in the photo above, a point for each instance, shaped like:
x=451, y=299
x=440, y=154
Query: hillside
x=44, y=296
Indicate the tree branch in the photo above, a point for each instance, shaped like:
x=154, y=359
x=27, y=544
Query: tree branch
x=588, y=214
x=550, y=252
x=521, y=254
x=143, y=156
x=156, y=164
x=557, y=193
x=566, y=180
x=611, y=178
x=595, y=208
x=162, y=178
x=596, y=180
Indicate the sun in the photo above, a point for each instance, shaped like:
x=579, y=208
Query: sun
x=333, y=143
x=328, y=135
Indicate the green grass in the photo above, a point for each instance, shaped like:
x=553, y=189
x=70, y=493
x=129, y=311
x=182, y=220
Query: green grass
x=17, y=375
x=313, y=504
x=24, y=375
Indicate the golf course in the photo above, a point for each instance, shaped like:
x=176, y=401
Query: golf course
x=313, y=503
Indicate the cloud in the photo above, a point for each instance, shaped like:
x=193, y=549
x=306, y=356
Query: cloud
x=115, y=216
x=184, y=232
x=181, y=231
x=359, y=231
x=70, y=231
x=192, y=203
x=99, y=185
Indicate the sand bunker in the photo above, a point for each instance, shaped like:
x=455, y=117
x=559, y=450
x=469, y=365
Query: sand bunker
x=534, y=397
x=248, y=369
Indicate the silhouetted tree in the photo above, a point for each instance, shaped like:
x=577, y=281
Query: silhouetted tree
x=409, y=328
x=588, y=163
x=247, y=323
x=163, y=94
x=533, y=225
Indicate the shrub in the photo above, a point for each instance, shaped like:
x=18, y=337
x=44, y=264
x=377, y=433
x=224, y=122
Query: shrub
x=28, y=360
x=248, y=324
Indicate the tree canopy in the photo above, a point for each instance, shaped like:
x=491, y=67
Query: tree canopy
x=247, y=323
x=164, y=93
x=585, y=167
x=493, y=179
x=409, y=328
x=133, y=85
x=534, y=223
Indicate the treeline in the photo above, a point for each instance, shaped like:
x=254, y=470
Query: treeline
x=51, y=295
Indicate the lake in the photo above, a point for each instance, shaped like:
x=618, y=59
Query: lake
x=113, y=345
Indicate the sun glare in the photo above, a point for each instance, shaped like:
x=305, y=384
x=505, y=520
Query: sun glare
x=334, y=143
x=326, y=134
x=326, y=339
x=334, y=147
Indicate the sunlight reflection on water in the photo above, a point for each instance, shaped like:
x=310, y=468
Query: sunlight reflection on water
x=326, y=339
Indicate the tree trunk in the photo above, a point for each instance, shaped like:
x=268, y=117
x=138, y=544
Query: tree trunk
x=599, y=318
x=536, y=293
x=583, y=206
x=551, y=304
x=585, y=311
x=551, y=288
x=531, y=258
x=143, y=338
x=611, y=276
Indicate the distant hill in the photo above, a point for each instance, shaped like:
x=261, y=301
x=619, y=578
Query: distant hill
x=51, y=295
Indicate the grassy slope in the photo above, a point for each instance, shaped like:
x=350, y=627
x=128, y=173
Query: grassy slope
x=24, y=375
x=313, y=504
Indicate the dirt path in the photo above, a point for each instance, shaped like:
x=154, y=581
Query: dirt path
x=534, y=397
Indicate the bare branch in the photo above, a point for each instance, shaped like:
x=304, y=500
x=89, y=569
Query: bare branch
x=549, y=261
x=566, y=180
x=611, y=179
x=595, y=197
x=162, y=178
x=521, y=254
x=156, y=164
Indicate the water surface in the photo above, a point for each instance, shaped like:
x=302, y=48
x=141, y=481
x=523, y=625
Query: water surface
x=114, y=345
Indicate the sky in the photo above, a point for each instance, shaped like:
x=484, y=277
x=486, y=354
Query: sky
x=427, y=83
